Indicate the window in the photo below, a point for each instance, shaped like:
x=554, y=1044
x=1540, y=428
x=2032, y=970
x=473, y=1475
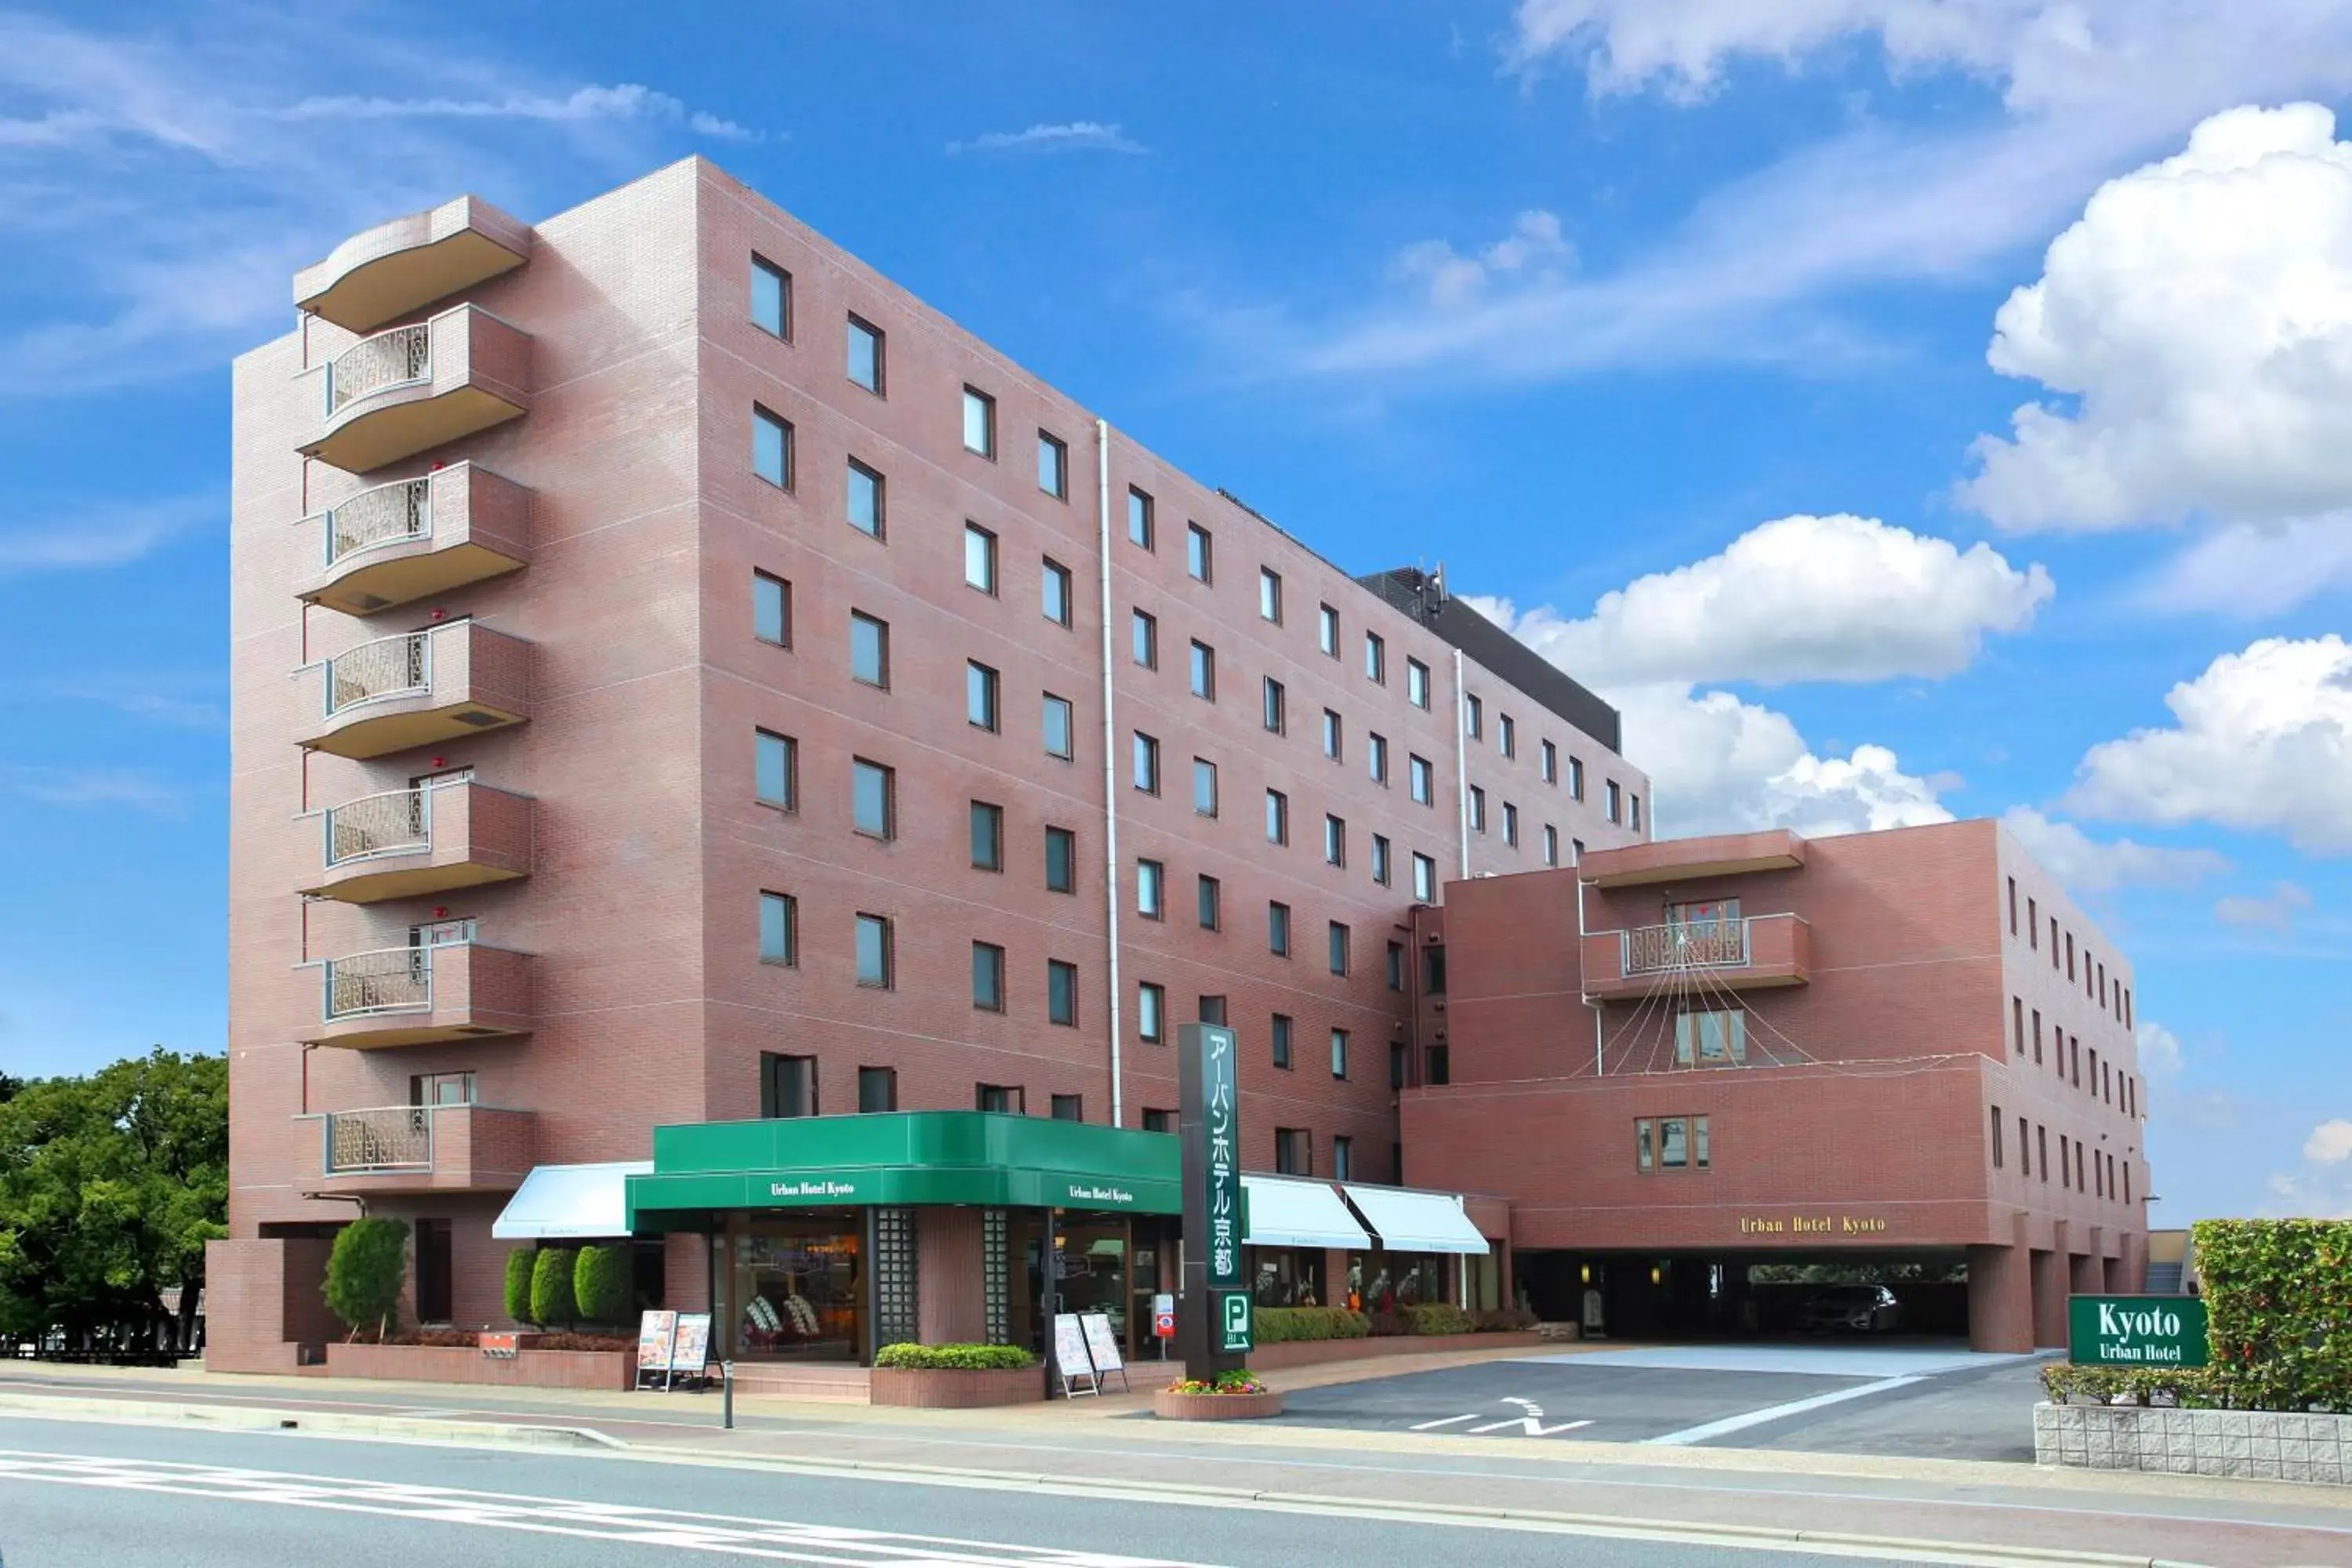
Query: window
x=1433, y=970
x=771, y=449
x=1145, y=639
x=1269, y=594
x=1146, y=763
x=787, y=1085
x=1712, y=1037
x=1139, y=519
x=2054, y=941
x=2037, y=1037
x=1151, y=1012
x=869, y=650
x=1338, y=938
x=1616, y=801
x=1635, y=820
x=1334, y=841
x=874, y=955
x=775, y=769
x=1343, y=1162
x=1211, y=1010
x=1548, y=762
x=878, y=1089
x=1060, y=724
x=1339, y=1052
x=1204, y=786
x=780, y=929
x=2041, y=1151
x=1416, y=682
x=1671, y=1143
x=771, y=298
x=864, y=504
x=1278, y=929
x=1204, y=670
x=988, y=977
x=979, y=422
x=1396, y=966
x=987, y=837
x=1421, y=780
x=1213, y=904
x=1376, y=757
x=1060, y=860
x=1055, y=593
x=2033, y=923
x=873, y=798
x=2017, y=1026
x=2024, y=1147
x=771, y=609
x=1281, y=1035
x=1506, y=735
x=1576, y=778
x=1424, y=879
x=1576, y=851
x=866, y=354
x=1551, y=845
x=1272, y=701
x=1293, y=1152
x=1331, y=738
x=1052, y=466
x=1158, y=1121
x=1006, y=1099
x=1477, y=808
x=1069, y=1108
x=979, y=694
x=2070, y=955
x=1327, y=630
x=1198, y=552
x=2012, y=906
x=1061, y=992
x=1644, y=1150
x=1151, y=889
x=1376, y=660
x=1277, y=817
x=1510, y=825
x=1474, y=716
x=979, y=558
x=1380, y=858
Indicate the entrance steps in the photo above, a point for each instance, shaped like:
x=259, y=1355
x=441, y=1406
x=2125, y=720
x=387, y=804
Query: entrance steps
x=834, y=1384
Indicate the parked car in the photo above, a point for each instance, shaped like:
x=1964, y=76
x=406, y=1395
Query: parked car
x=1851, y=1308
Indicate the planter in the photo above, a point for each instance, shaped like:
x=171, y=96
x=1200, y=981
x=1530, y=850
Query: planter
x=2268, y=1445
x=1170, y=1405
x=940, y=1388
x=613, y=1370
x=1316, y=1353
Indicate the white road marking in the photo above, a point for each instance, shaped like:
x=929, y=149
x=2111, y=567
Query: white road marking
x=1774, y=1412
x=722, y=1534
x=1432, y=1426
x=1530, y=1423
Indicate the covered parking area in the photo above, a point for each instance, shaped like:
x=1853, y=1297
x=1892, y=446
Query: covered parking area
x=1750, y=1295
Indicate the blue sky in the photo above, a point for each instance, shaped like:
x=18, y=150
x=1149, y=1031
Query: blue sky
x=1697, y=334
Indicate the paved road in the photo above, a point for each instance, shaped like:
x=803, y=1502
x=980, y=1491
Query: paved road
x=74, y=1496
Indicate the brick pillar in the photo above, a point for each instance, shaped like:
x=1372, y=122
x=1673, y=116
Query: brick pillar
x=951, y=1277
x=2000, y=1299
x=1335, y=1277
x=2049, y=1300
x=2134, y=1279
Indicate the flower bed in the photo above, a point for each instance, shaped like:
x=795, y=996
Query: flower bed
x=1234, y=1396
x=954, y=1377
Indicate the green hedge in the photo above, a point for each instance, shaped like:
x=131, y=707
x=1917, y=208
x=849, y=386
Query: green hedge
x=1284, y=1325
x=954, y=1358
x=601, y=1286
x=2189, y=1388
x=2279, y=1295
x=1440, y=1318
x=1505, y=1321
x=518, y=1295
x=550, y=1287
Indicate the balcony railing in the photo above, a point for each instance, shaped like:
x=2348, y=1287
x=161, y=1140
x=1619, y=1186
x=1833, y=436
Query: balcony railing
x=399, y=822
x=1708, y=944
x=370, y=984
x=399, y=665
x=427, y=1148
x=1753, y=953
x=388, y=1138
x=400, y=357
x=388, y=514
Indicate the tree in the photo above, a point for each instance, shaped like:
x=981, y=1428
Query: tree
x=551, y=1287
x=601, y=1284
x=109, y=1186
x=365, y=1271
x=518, y=1270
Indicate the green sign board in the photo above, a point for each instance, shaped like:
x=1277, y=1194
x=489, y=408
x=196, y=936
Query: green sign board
x=2136, y=1330
x=1233, y=1323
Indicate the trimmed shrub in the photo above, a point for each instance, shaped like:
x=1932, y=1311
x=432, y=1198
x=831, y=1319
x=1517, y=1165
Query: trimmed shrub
x=1389, y=1325
x=1440, y=1318
x=1504, y=1320
x=552, y=1301
x=1284, y=1325
x=584, y=1342
x=954, y=1358
x=2188, y=1387
x=601, y=1286
x=519, y=1267
x=2279, y=1296
x=364, y=1274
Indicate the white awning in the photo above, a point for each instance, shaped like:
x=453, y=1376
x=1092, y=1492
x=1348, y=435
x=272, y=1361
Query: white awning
x=1298, y=1213
x=570, y=1202
x=1417, y=1221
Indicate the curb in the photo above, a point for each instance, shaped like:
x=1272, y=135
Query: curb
x=311, y=1423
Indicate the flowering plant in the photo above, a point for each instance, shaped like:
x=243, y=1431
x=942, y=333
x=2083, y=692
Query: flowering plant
x=1224, y=1383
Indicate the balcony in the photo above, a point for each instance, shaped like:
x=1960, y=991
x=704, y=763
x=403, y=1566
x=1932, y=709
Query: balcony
x=393, y=544
x=1754, y=954
x=416, y=387
x=419, y=689
x=407, y=843
x=424, y=996
x=402, y=266
x=426, y=1148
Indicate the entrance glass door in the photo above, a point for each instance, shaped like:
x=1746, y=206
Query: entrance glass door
x=796, y=1288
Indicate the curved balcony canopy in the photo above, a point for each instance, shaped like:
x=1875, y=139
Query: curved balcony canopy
x=423, y=996
x=419, y=689
x=414, y=538
x=398, y=267
x=412, y=388
x=426, y=1149
x=407, y=843
x=1689, y=859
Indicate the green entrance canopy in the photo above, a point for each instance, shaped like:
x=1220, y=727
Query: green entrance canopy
x=910, y=1157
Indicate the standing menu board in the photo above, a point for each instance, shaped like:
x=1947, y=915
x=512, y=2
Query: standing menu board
x=1072, y=1365
x=656, y=1343
x=690, y=1355
x=1102, y=1346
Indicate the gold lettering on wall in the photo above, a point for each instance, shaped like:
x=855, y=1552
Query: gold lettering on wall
x=1811, y=1225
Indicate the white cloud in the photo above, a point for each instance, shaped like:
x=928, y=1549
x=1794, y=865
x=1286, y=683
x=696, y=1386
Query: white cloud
x=2254, y=571
x=1077, y=135
x=2330, y=1142
x=2321, y=1187
x=129, y=787
x=2200, y=312
x=1533, y=249
x=1801, y=598
x=629, y=101
x=2159, y=1053
x=2276, y=912
x=101, y=537
x=2261, y=740
x=2088, y=866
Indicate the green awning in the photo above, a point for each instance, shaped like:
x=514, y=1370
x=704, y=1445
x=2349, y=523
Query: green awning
x=917, y=1157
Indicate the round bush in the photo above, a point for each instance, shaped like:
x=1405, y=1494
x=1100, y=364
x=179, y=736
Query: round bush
x=365, y=1271
x=517, y=1293
x=601, y=1286
x=550, y=1287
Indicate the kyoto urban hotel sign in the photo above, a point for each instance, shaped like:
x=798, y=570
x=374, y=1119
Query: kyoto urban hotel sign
x=1812, y=1224
x=2136, y=1330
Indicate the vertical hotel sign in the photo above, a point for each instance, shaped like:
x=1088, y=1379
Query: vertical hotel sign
x=1213, y=1330
x=1224, y=1170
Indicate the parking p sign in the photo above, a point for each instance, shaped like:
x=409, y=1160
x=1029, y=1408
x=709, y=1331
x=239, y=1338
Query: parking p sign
x=1233, y=1321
